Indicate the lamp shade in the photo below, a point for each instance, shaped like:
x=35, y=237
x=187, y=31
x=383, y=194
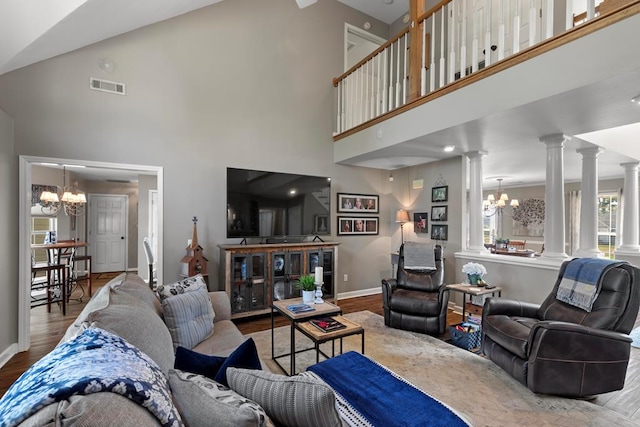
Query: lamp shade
x=402, y=216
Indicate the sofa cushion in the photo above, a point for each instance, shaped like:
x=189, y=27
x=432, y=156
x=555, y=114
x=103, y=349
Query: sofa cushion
x=225, y=338
x=135, y=286
x=201, y=400
x=419, y=303
x=301, y=400
x=132, y=319
x=95, y=410
x=189, y=284
x=189, y=317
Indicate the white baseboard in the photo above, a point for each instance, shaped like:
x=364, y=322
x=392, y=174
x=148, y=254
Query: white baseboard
x=6, y=355
x=360, y=293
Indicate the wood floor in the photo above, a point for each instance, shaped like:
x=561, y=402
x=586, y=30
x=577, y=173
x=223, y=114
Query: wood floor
x=48, y=328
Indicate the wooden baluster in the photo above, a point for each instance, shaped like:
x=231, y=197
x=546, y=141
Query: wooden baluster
x=398, y=85
x=338, y=117
x=474, y=44
x=487, y=34
x=390, y=65
x=591, y=9
x=451, y=11
x=501, y=31
x=516, y=29
x=378, y=81
x=568, y=21
x=532, y=22
x=442, y=37
x=432, y=66
x=384, y=81
x=463, y=41
x=548, y=13
x=405, y=76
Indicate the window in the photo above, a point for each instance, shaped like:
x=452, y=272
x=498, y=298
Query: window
x=39, y=228
x=607, y=225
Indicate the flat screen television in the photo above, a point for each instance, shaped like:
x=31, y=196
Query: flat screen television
x=269, y=204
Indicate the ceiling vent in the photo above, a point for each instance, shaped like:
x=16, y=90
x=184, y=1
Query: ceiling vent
x=107, y=86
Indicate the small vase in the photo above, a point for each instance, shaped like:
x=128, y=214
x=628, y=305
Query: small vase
x=308, y=296
x=473, y=279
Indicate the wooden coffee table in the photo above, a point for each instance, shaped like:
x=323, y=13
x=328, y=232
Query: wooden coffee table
x=320, y=310
x=319, y=337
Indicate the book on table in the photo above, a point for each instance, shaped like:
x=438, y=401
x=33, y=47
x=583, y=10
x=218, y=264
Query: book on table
x=327, y=324
x=300, y=308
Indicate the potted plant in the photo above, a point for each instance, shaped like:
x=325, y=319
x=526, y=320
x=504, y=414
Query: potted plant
x=475, y=272
x=501, y=243
x=308, y=285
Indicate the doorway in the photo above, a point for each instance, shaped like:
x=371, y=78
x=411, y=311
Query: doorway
x=25, y=204
x=358, y=44
x=108, y=232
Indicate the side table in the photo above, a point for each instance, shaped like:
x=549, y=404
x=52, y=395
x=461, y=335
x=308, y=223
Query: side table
x=473, y=290
x=319, y=337
x=320, y=310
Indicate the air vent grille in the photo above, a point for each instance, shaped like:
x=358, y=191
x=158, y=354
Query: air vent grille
x=107, y=86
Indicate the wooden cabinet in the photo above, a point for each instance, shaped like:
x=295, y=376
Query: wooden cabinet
x=256, y=275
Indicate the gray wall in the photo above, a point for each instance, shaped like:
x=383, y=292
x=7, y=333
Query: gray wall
x=9, y=233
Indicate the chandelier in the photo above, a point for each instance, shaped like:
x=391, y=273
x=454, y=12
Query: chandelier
x=496, y=202
x=69, y=199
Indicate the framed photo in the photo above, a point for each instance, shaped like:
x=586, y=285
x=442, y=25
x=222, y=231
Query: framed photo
x=438, y=213
x=357, y=225
x=321, y=224
x=439, y=232
x=420, y=222
x=361, y=203
x=440, y=194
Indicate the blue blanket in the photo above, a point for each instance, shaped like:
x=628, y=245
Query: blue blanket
x=580, y=284
x=94, y=361
x=382, y=397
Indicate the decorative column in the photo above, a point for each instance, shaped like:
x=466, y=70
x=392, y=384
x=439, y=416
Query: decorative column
x=630, y=209
x=476, y=239
x=554, y=197
x=589, y=204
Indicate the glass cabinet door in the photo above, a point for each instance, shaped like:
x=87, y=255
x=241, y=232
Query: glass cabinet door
x=248, y=283
x=239, y=289
x=287, y=268
x=258, y=282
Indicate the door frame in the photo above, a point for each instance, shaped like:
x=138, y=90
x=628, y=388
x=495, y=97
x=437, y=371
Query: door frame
x=24, y=248
x=348, y=28
x=90, y=224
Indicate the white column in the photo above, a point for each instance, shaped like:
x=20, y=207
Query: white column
x=589, y=204
x=476, y=239
x=554, y=198
x=630, y=209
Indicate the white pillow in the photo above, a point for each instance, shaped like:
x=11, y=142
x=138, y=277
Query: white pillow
x=189, y=284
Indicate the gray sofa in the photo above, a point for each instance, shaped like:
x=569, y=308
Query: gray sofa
x=128, y=308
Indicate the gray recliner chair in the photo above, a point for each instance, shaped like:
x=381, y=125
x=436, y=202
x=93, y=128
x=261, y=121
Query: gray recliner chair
x=557, y=348
x=416, y=300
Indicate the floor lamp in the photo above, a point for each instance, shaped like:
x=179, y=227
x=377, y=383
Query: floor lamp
x=402, y=217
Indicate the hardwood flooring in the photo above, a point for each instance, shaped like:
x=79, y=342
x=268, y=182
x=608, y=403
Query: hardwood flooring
x=48, y=328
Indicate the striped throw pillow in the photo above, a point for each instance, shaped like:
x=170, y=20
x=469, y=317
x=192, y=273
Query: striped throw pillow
x=189, y=318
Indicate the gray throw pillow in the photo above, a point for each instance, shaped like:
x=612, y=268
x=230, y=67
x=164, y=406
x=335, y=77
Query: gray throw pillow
x=189, y=318
x=301, y=400
x=201, y=400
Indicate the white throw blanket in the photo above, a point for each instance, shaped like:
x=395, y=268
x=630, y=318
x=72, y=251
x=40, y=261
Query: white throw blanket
x=419, y=256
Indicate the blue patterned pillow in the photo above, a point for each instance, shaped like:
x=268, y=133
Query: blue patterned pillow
x=94, y=361
x=215, y=367
x=189, y=317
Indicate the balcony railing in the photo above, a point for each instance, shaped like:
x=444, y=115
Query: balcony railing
x=450, y=42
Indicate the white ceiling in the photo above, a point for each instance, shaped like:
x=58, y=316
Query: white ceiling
x=35, y=30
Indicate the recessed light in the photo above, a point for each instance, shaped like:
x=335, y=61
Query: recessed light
x=449, y=148
x=74, y=166
x=292, y=192
x=48, y=164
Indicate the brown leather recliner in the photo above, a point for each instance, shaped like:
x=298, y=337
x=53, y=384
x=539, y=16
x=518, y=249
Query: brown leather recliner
x=416, y=300
x=556, y=348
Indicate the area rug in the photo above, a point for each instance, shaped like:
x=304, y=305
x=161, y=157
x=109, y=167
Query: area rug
x=470, y=384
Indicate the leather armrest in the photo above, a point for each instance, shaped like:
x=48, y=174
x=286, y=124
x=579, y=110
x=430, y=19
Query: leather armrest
x=508, y=307
x=388, y=286
x=569, y=341
x=443, y=292
x=221, y=305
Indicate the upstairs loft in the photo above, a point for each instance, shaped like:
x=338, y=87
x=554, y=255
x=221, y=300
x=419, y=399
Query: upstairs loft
x=567, y=74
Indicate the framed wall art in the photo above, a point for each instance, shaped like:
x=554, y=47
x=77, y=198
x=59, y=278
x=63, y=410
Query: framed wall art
x=439, y=232
x=440, y=194
x=438, y=213
x=361, y=203
x=357, y=225
x=420, y=222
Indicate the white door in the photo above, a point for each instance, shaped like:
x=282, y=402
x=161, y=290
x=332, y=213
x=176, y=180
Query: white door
x=108, y=232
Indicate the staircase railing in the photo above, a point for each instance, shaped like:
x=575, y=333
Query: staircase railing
x=448, y=42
